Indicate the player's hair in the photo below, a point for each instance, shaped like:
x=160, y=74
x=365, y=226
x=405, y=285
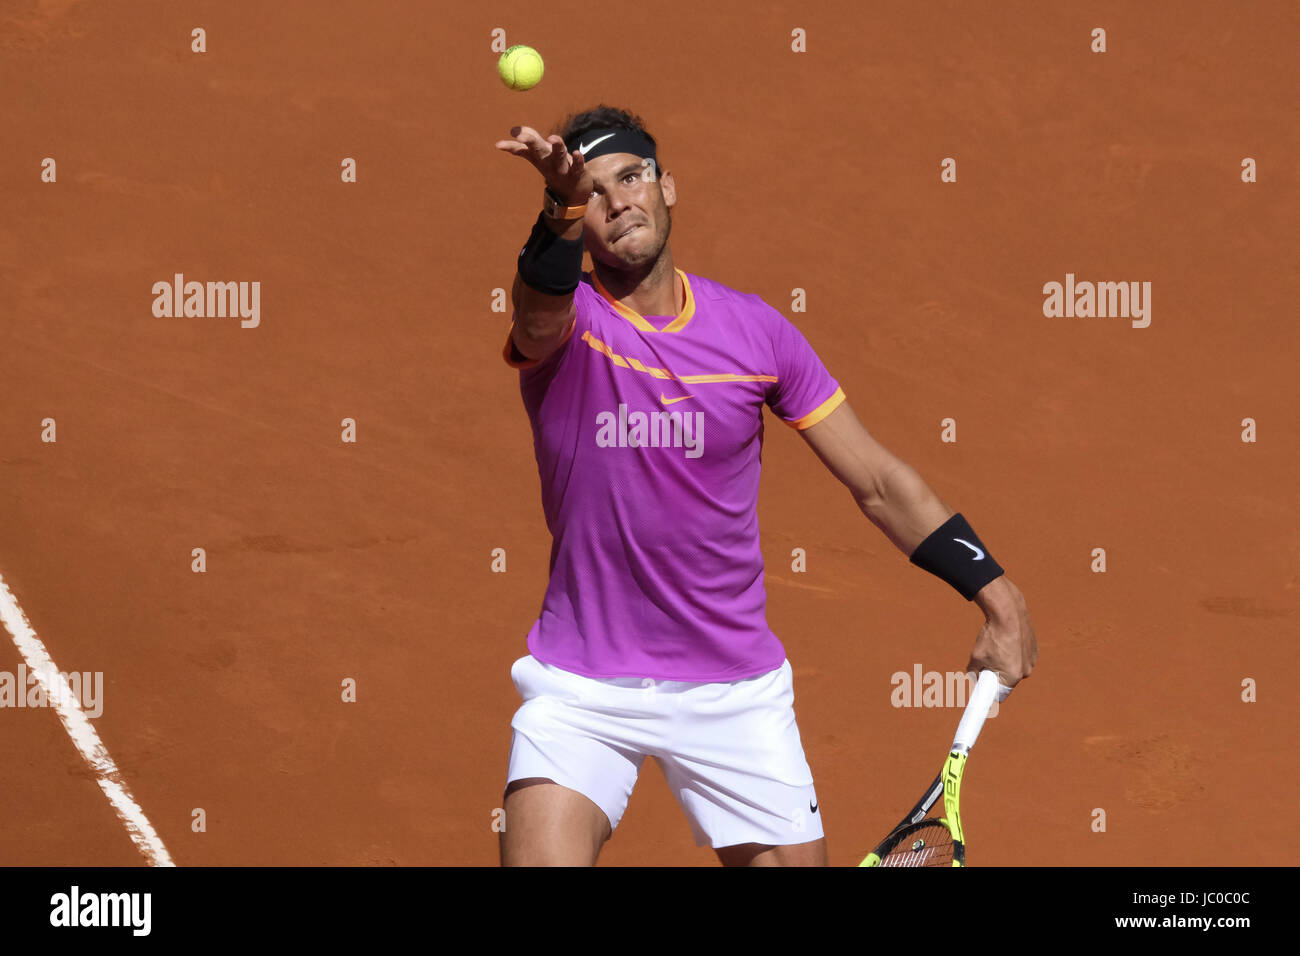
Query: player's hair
x=578, y=125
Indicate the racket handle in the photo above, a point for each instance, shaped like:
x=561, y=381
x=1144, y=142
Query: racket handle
x=977, y=711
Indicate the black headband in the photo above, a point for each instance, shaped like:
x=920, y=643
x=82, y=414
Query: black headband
x=599, y=142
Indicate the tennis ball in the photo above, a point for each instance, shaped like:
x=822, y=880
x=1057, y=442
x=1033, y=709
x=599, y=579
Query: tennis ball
x=520, y=67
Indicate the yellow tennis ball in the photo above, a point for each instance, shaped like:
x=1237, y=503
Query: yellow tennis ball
x=520, y=67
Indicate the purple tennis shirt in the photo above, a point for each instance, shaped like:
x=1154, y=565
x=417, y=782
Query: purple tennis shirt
x=648, y=432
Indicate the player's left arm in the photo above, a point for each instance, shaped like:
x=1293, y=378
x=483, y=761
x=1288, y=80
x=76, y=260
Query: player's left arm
x=897, y=500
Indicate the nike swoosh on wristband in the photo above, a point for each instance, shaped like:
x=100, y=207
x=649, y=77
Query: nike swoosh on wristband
x=979, y=555
x=586, y=146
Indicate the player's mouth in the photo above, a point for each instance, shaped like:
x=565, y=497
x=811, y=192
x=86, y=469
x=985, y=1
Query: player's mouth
x=626, y=232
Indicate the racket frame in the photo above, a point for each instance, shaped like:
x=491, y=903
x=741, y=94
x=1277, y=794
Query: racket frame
x=948, y=782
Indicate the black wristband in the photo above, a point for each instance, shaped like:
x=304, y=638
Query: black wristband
x=954, y=553
x=549, y=263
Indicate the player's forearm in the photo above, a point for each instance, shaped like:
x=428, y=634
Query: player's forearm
x=538, y=315
x=905, y=508
x=543, y=311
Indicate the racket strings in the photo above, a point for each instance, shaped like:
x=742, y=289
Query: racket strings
x=928, y=845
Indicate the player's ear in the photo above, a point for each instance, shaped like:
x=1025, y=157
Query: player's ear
x=668, y=186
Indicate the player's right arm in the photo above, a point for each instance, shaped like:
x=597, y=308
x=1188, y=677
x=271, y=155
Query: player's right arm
x=542, y=320
x=898, y=501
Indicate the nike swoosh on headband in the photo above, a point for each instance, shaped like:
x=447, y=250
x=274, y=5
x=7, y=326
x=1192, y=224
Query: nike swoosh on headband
x=586, y=146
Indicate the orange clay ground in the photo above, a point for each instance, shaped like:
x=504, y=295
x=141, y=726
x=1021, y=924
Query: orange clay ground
x=817, y=171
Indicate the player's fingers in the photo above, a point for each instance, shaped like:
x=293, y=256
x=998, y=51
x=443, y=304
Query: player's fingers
x=560, y=159
x=532, y=139
x=571, y=167
x=976, y=666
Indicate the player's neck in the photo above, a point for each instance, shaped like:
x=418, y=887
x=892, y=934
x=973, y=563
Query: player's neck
x=655, y=290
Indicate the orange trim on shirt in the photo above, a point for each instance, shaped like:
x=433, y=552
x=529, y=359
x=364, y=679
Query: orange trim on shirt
x=506, y=352
x=820, y=412
x=609, y=353
x=649, y=370
x=727, y=377
x=638, y=320
x=622, y=361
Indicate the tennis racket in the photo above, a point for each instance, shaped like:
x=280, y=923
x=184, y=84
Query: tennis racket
x=922, y=840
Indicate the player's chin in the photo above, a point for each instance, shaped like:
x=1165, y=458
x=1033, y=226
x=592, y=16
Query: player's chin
x=637, y=249
x=630, y=257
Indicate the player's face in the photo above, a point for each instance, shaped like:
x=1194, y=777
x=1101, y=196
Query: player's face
x=628, y=212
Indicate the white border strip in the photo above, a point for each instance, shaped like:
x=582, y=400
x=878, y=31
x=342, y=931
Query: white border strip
x=84, y=737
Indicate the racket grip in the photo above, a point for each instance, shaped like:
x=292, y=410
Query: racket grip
x=977, y=711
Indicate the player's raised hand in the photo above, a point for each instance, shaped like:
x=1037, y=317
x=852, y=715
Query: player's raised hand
x=565, y=172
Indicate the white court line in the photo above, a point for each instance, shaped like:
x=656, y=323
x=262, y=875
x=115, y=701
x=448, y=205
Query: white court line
x=84, y=737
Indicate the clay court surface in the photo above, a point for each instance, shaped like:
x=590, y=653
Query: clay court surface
x=816, y=170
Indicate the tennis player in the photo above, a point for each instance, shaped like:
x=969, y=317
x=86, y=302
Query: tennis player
x=645, y=387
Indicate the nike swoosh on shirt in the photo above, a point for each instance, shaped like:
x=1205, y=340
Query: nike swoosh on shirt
x=669, y=401
x=586, y=146
x=979, y=555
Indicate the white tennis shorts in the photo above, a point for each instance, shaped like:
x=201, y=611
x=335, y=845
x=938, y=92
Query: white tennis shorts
x=730, y=752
